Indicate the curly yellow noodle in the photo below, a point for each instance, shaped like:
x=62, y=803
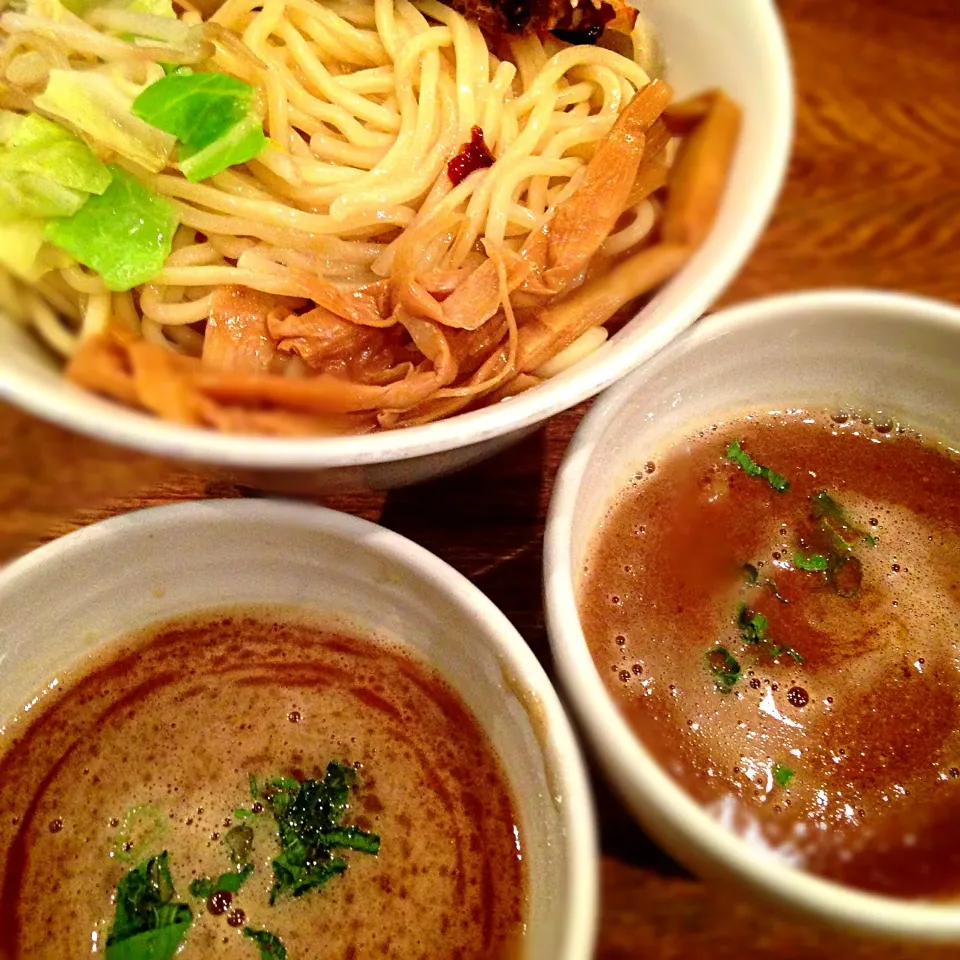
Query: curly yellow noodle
x=365, y=103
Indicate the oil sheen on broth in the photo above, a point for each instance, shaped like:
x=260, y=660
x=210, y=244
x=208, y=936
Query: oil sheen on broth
x=791, y=656
x=174, y=724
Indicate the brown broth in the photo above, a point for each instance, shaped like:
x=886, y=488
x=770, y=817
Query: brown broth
x=869, y=723
x=178, y=719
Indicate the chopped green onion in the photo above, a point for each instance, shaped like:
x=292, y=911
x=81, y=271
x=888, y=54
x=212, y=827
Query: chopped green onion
x=724, y=667
x=833, y=519
x=782, y=775
x=752, y=625
x=750, y=467
x=812, y=562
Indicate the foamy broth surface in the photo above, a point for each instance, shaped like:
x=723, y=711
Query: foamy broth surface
x=179, y=719
x=847, y=763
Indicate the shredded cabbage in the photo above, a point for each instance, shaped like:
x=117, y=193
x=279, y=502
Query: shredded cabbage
x=20, y=244
x=242, y=142
x=56, y=11
x=37, y=145
x=9, y=121
x=158, y=8
x=34, y=196
x=45, y=171
x=95, y=104
x=212, y=115
x=125, y=235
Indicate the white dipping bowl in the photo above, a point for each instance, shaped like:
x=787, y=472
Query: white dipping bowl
x=60, y=606
x=734, y=44
x=850, y=350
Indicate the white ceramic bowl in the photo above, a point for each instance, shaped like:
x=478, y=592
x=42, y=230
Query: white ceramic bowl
x=734, y=44
x=66, y=600
x=858, y=350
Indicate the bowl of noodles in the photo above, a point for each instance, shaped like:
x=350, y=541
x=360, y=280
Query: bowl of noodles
x=341, y=243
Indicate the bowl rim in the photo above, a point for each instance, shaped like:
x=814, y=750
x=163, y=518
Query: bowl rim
x=648, y=788
x=144, y=433
x=561, y=750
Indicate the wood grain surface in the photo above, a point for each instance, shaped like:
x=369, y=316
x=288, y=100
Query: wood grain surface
x=873, y=199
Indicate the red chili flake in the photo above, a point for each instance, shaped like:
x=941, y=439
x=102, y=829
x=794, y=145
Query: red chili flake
x=472, y=156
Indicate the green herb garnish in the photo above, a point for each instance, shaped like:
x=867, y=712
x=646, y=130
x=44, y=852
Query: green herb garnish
x=815, y=562
x=753, y=632
x=782, y=775
x=834, y=521
x=724, y=667
x=148, y=924
x=205, y=887
x=775, y=650
x=738, y=455
x=753, y=626
x=308, y=815
x=269, y=944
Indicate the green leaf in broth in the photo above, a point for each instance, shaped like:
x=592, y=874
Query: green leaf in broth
x=308, y=814
x=269, y=944
x=159, y=944
x=148, y=924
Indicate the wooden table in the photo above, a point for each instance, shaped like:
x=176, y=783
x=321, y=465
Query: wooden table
x=873, y=199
